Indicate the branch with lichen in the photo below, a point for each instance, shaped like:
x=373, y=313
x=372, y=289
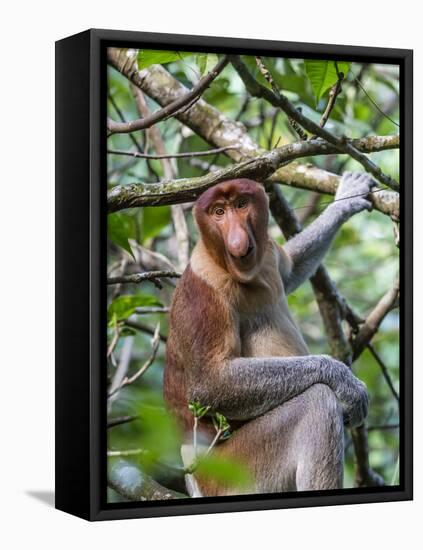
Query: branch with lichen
x=181, y=103
x=342, y=144
x=220, y=131
x=260, y=168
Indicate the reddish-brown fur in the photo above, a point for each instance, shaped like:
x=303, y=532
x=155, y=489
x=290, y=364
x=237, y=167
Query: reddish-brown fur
x=200, y=312
x=202, y=331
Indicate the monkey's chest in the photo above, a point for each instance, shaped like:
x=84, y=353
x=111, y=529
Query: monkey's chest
x=271, y=332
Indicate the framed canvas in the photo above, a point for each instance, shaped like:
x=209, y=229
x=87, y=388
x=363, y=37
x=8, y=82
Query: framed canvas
x=230, y=330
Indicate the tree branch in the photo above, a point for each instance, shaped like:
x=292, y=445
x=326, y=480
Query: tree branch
x=178, y=216
x=259, y=168
x=384, y=370
x=118, y=420
x=127, y=380
x=333, y=94
x=144, y=328
x=188, y=154
x=364, y=475
x=137, y=278
x=341, y=144
x=114, y=127
x=220, y=131
x=133, y=484
x=374, y=319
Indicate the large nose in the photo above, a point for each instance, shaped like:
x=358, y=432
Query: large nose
x=237, y=239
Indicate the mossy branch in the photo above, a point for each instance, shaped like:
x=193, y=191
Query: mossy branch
x=260, y=168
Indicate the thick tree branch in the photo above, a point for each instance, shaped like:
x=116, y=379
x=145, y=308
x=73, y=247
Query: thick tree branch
x=186, y=101
x=365, y=476
x=279, y=100
x=133, y=484
x=220, y=131
x=259, y=168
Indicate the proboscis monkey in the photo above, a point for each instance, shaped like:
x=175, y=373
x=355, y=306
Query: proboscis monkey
x=234, y=346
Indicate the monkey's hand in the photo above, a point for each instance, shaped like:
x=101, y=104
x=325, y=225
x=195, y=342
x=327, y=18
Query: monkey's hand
x=351, y=392
x=352, y=194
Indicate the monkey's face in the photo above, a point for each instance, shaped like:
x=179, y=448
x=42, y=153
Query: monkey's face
x=233, y=218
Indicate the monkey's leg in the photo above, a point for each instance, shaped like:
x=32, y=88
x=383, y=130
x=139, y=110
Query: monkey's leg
x=296, y=446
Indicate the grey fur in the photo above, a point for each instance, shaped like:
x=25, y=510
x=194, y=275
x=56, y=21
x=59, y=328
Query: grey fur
x=253, y=386
x=308, y=248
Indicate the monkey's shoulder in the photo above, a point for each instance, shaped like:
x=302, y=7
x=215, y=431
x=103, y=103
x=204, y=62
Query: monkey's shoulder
x=199, y=316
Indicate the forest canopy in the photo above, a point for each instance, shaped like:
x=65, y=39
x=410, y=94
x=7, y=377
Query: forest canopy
x=180, y=122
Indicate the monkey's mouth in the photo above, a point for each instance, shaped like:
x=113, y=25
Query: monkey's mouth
x=246, y=256
x=248, y=253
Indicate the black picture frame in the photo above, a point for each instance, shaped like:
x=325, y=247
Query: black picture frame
x=81, y=274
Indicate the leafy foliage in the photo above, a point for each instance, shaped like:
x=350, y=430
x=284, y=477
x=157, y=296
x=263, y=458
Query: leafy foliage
x=324, y=74
x=120, y=230
x=123, y=307
x=363, y=260
x=151, y=57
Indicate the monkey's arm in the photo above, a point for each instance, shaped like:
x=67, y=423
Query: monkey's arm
x=246, y=387
x=306, y=250
x=204, y=353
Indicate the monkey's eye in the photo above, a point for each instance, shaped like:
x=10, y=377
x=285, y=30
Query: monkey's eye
x=219, y=211
x=242, y=203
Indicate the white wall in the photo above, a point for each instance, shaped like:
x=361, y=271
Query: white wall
x=29, y=30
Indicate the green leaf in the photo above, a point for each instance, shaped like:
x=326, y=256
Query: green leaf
x=220, y=422
x=323, y=75
x=161, y=57
x=197, y=409
x=120, y=228
x=224, y=470
x=124, y=306
x=154, y=219
x=206, y=62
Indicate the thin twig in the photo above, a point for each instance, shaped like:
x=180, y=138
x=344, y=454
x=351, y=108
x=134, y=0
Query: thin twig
x=369, y=328
x=151, y=310
x=191, y=154
x=137, y=278
x=169, y=169
x=143, y=328
x=374, y=102
x=384, y=370
x=114, y=341
x=122, y=368
x=127, y=380
x=333, y=94
x=118, y=420
x=383, y=427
